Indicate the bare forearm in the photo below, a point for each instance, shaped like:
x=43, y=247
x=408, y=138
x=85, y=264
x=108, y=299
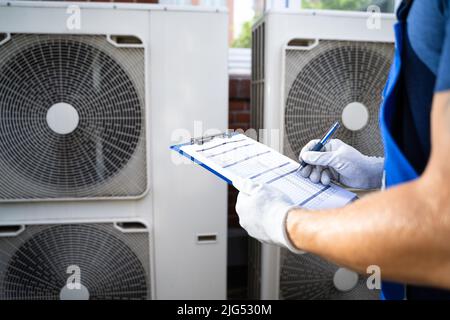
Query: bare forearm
x=403, y=231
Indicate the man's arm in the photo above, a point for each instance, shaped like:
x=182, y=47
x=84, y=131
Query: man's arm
x=404, y=230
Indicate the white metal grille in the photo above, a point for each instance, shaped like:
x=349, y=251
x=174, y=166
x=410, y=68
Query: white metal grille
x=104, y=156
x=112, y=264
x=258, y=76
x=321, y=82
x=308, y=277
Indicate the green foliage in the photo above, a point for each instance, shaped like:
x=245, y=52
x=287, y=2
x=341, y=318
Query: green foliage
x=245, y=38
x=336, y=4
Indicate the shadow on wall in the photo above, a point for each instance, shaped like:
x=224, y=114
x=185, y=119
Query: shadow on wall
x=239, y=118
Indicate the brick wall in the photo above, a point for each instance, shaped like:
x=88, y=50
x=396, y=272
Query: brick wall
x=239, y=118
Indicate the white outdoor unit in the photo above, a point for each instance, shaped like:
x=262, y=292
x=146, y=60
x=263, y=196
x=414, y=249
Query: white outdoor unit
x=310, y=69
x=90, y=96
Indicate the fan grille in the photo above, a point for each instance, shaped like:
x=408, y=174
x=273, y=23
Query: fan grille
x=258, y=75
x=112, y=265
x=321, y=82
x=308, y=277
x=104, y=84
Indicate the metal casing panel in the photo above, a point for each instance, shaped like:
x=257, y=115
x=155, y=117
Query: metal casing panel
x=189, y=84
x=51, y=17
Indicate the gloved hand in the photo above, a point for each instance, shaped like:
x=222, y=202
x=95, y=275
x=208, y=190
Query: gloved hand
x=262, y=211
x=342, y=163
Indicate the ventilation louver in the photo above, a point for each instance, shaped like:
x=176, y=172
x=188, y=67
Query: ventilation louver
x=42, y=262
x=336, y=80
x=308, y=277
x=258, y=77
x=72, y=118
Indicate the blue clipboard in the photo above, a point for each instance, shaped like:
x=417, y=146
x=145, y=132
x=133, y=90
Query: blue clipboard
x=201, y=140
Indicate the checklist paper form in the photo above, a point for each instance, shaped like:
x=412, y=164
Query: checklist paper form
x=240, y=157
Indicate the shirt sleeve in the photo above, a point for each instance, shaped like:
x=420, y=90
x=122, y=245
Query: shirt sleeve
x=443, y=74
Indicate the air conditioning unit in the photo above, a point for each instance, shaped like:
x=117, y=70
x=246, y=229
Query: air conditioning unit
x=110, y=261
x=310, y=69
x=90, y=97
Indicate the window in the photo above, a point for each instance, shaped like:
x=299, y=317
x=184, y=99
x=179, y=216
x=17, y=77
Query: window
x=354, y=5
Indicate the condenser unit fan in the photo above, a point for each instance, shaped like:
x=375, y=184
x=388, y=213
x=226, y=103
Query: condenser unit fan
x=46, y=262
x=71, y=118
x=335, y=81
x=308, y=277
x=332, y=81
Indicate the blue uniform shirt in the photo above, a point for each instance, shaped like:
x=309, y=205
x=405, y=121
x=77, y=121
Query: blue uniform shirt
x=426, y=69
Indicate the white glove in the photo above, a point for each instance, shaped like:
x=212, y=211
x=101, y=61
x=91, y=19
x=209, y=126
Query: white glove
x=342, y=163
x=262, y=211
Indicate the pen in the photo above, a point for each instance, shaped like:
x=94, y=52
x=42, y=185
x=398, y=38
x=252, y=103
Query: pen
x=322, y=142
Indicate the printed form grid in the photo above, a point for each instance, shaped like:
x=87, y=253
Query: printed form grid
x=243, y=157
